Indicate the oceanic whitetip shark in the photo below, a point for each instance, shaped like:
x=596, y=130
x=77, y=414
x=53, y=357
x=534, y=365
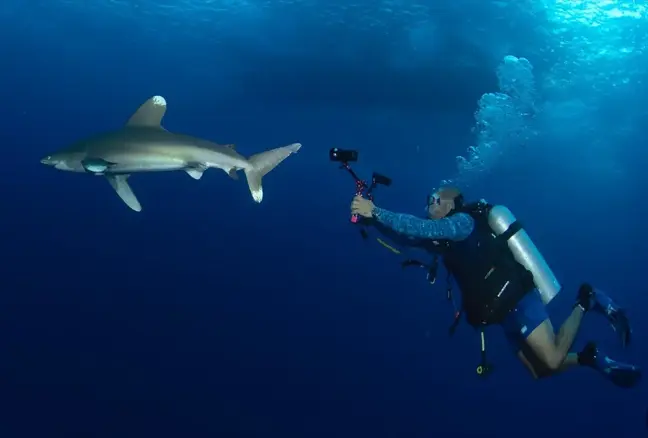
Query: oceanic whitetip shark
x=143, y=145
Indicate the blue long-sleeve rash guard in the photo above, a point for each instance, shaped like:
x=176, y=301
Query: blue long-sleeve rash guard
x=456, y=227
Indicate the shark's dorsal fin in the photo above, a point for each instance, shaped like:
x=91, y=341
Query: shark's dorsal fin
x=150, y=114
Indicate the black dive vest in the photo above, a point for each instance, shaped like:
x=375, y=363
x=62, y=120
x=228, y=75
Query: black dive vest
x=492, y=282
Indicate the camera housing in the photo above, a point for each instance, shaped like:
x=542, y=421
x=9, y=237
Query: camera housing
x=343, y=155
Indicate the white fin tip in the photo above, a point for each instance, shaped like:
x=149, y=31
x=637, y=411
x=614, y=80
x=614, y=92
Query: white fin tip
x=158, y=101
x=257, y=195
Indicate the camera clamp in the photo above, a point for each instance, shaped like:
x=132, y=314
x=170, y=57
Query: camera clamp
x=362, y=188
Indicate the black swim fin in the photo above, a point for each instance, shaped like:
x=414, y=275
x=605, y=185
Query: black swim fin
x=621, y=374
x=600, y=302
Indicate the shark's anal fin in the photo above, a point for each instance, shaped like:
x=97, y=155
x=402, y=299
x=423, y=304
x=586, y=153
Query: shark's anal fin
x=196, y=170
x=232, y=174
x=150, y=114
x=120, y=184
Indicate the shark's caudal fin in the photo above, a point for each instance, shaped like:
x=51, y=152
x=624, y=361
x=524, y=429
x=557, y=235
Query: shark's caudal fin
x=120, y=184
x=263, y=163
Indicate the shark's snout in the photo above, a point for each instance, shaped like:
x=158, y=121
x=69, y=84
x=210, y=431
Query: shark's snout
x=58, y=163
x=48, y=160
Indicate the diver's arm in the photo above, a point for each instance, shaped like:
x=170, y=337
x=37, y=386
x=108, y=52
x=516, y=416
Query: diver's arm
x=399, y=239
x=456, y=227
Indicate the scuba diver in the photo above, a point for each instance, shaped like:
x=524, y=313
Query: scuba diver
x=504, y=280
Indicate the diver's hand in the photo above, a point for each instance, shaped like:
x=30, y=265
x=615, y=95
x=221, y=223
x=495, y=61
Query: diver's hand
x=362, y=207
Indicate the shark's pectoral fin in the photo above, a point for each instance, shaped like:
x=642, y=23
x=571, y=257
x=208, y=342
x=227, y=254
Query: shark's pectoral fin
x=232, y=174
x=196, y=170
x=96, y=165
x=120, y=184
x=150, y=114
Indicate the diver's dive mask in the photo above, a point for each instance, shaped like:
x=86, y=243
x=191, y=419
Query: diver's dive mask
x=432, y=199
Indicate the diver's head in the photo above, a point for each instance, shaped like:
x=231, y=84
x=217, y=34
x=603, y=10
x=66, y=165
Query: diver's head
x=443, y=201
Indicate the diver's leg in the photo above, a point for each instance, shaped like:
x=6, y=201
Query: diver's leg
x=531, y=334
x=536, y=333
x=552, y=349
x=621, y=374
x=546, y=354
x=538, y=371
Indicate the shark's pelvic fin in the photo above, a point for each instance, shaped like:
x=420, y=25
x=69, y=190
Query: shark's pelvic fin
x=232, y=174
x=195, y=173
x=150, y=114
x=261, y=164
x=196, y=170
x=120, y=184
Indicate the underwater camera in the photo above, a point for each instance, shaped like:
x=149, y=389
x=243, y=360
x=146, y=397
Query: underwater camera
x=362, y=187
x=343, y=155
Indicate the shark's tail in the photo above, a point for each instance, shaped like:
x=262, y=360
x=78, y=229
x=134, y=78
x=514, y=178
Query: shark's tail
x=262, y=163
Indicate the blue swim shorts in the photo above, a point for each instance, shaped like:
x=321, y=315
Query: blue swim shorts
x=529, y=313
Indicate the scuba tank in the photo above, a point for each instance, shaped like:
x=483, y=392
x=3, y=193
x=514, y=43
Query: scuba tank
x=500, y=219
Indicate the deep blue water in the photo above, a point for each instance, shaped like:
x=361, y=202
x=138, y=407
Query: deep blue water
x=209, y=315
